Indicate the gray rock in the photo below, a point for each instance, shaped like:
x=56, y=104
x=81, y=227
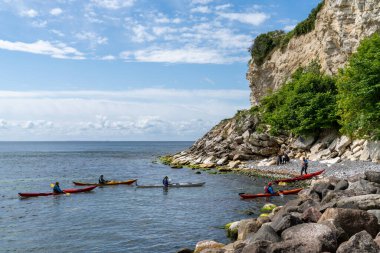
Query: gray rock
x=285, y=222
x=363, y=202
x=343, y=143
x=307, y=204
x=311, y=215
x=341, y=235
x=236, y=247
x=377, y=239
x=312, y=232
x=257, y=247
x=185, y=250
x=247, y=227
x=351, y=221
x=372, y=176
x=303, y=142
x=341, y=185
x=359, y=243
x=265, y=233
x=295, y=246
x=375, y=212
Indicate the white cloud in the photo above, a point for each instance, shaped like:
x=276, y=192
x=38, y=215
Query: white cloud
x=56, y=11
x=201, y=9
x=108, y=58
x=140, y=34
x=92, y=37
x=247, y=18
x=141, y=114
x=31, y=13
x=113, y=4
x=59, y=33
x=185, y=55
x=201, y=1
x=222, y=7
x=288, y=28
x=56, y=50
x=40, y=24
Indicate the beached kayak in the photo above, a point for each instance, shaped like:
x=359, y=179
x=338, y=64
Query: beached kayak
x=131, y=181
x=260, y=195
x=73, y=190
x=174, y=185
x=303, y=177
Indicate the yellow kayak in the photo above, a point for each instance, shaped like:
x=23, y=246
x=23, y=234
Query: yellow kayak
x=128, y=182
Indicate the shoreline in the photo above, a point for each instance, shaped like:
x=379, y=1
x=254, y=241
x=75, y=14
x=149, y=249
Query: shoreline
x=348, y=191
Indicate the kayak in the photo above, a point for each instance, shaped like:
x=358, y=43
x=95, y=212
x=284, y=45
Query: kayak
x=174, y=185
x=131, y=181
x=259, y=195
x=72, y=190
x=303, y=177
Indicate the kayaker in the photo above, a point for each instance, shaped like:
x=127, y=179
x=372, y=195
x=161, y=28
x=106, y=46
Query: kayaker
x=165, y=181
x=305, y=164
x=102, y=180
x=57, y=189
x=269, y=188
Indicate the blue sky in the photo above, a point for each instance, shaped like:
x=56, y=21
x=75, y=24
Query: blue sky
x=129, y=69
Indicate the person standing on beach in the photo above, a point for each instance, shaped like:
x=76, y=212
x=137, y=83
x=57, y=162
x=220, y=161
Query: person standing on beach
x=305, y=164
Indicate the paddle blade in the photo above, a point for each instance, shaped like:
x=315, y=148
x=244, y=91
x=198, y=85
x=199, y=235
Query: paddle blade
x=52, y=185
x=68, y=194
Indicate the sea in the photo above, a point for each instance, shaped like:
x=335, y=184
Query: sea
x=114, y=218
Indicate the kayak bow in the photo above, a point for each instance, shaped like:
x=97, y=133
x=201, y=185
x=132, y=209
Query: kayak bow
x=299, y=178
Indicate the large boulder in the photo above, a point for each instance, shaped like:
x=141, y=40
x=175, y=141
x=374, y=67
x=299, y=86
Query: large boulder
x=343, y=143
x=351, y=221
x=247, y=227
x=236, y=247
x=372, y=176
x=285, y=222
x=359, y=243
x=375, y=212
x=303, y=142
x=371, y=151
x=312, y=232
x=207, y=244
x=377, y=239
x=311, y=215
x=341, y=185
x=363, y=202
x=295, y=246
x=265, y=233
x=257, y=247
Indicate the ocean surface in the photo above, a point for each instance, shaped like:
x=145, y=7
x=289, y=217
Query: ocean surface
x=114, y=218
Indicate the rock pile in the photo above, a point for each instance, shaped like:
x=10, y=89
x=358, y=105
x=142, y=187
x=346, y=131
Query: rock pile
x=332, y=215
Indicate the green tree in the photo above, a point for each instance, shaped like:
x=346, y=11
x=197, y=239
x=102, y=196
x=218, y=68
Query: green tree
x=306, y=104
x=359, y=91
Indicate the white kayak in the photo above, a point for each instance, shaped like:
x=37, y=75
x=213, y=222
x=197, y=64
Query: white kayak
x=174, y=185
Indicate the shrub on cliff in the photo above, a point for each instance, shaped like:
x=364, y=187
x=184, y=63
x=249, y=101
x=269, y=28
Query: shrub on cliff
x=359, y=91
x=308, y=24
x=264, y=44
x=306, y=104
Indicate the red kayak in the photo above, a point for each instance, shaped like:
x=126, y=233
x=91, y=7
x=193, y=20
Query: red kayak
x=260, y=195
x=303, y=177
x=73, y=190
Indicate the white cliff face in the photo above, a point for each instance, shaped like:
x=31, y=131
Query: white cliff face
x=339, y=28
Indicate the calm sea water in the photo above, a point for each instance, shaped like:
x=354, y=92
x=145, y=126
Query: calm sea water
x=116, y=218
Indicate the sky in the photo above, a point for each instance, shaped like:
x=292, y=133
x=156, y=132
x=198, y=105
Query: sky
x=129, y=70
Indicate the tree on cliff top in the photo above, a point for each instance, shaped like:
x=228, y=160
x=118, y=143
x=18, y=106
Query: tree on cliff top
x=359, y=91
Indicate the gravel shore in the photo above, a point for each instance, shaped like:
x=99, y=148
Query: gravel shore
x=342, y=170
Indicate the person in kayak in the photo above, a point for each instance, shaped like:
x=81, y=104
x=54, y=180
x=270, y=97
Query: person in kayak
x=102, y=180
x=269, y=188
x=57, y=189
x=165, y=181
x=305, y=164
